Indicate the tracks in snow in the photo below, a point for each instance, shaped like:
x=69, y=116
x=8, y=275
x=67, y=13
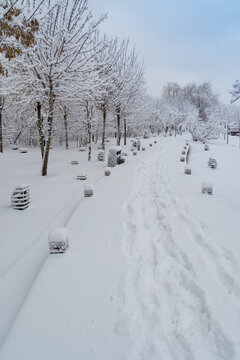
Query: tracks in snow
x=171, y=266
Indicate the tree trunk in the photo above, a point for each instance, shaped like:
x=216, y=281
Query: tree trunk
x=104, y=128
x=125, y=132
x=129, y=132
x=40, y=128
x=1, y=132
x=96, y=137
x=1, y=123
x=118, y=126
x=90, y=152
x=89, y=133
x=65, y=126
x=49, y=130
x=18, y=135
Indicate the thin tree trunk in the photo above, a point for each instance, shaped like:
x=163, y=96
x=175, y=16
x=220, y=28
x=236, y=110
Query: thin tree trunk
x=90, y=152
x=49, y=130
x=65, y=126
x=1, y=132
x=125, y=132
x=40, y=127
x=18, y=135
x=128, y=132
x=1, y=123
x=89, y=133
x=104, y=128
x=118, y=126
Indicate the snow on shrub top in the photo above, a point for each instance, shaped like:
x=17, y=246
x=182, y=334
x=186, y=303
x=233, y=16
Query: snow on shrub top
x=58, y=234
x=114, y=149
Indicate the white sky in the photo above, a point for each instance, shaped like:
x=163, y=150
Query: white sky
x=179, y=40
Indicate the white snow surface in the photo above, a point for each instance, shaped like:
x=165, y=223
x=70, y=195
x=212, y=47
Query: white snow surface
x=152, y=270
x=115, y=149
x=88, y=187
x=58, y=234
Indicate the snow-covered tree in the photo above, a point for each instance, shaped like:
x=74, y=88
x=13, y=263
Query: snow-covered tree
x=202, y=97
x=128, y=85
x=235, y=92
x=194, y=108
x=19, y=21
x=59, y=65
x=104, y=93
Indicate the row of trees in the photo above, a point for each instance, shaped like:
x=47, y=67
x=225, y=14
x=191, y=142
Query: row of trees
x=67, y=77
x=61, y=80
x=194, y=108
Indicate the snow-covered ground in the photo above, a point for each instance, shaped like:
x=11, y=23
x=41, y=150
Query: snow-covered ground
x=23, y=240
x=152, y=271
x=183, y=285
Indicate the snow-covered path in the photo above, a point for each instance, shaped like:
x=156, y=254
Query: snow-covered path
x=143, y=278
x=182, y=292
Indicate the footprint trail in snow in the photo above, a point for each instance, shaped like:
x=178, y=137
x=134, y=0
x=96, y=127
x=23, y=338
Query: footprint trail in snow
x=174, y=274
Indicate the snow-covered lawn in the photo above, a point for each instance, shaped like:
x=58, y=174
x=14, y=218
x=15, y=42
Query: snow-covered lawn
x=24, y=234
x=152, y=270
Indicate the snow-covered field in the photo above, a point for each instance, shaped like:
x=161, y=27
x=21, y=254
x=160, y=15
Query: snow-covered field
x=152, y=270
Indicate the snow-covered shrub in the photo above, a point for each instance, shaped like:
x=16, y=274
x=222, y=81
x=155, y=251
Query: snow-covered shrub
x=188, y=170
x=23, y=150
x=212, y=163
x=107, y=171
x=58, y=240
x=207, y=188
x=88, y=190
x=20, y=197
x=101, y=156
x=82, y=176
x=114, y=155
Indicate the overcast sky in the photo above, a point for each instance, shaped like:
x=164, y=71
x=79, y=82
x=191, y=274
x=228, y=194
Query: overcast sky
x=179, y=40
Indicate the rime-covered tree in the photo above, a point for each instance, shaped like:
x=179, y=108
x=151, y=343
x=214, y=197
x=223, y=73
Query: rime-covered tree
x=59, y=65
x=19, y=21
x=128, y=81
x=235, y=92
x=18, y=25
x=202, y=97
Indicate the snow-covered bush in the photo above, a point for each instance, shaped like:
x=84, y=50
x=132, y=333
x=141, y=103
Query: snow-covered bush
x=88, y=190
x=58, y=240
